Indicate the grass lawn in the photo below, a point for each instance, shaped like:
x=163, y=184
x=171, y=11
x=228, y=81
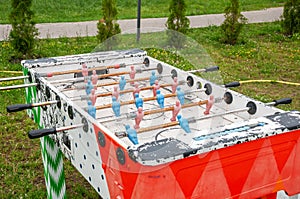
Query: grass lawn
x=78, y=10
x=262, y=53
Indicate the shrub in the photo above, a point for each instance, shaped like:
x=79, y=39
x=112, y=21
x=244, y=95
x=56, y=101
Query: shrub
x=177, y=22
x=107, y=27
x=233, y=23
x=23, y=34
x=291, y=17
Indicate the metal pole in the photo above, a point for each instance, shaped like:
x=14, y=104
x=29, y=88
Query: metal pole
x=138, y=21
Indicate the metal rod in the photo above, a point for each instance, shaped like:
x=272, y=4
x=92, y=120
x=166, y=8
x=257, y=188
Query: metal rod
x=133, y=101
x=127, y=81
x=43, y=103
x=17, y=86
x=43, y=132
x=151, y=128
x=171, y=108
x=132, y=115
x=66, y=80
x=170, y=124
x=221, y=114
x=66, y=128
x=13, y=78
x=20, y=107
x=202, y=70
x=198, y=70
x=89, y=69
x=82, y=79
x=131, y=90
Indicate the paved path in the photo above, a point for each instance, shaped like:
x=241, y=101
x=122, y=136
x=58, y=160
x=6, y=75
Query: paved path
x=89, y=28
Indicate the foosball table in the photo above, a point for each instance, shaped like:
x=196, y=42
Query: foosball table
x=136, y=127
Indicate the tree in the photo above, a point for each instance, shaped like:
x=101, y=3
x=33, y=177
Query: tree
x=291, y=17
x=177, y=22
x=233, y=23
x=23, y=34
x=107, y=27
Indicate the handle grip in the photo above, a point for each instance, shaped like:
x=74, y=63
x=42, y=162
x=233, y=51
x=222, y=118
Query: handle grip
x=282, y=101
x=18, y=107
x=211, y=69
x=41, y=132
x=232, y=84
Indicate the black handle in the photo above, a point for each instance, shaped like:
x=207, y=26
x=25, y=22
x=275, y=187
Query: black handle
x=41, y=132
x=18, y=107
x=211, y=69
x=232, y=84
x=283, y=101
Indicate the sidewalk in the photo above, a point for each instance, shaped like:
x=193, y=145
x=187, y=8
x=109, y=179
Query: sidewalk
x=89, y=28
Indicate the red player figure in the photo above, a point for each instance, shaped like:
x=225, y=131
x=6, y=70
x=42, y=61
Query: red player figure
x=174, y=85
x=175, y=111
x=94, y=78
x=156, y=86
x=116, y=92
x=139, y=117
x=95, y=87
x=132, y=73
x=93, y=97
x=85, y=72
x=136, y=89
x=209, y=104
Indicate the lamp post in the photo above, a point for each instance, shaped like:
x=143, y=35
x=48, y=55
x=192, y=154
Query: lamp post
x=138, y=21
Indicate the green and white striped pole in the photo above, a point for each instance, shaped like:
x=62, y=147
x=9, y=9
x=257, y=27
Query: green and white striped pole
x=51, y=154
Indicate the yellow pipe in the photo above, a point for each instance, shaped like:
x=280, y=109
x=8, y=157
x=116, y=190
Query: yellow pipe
x=270, y=81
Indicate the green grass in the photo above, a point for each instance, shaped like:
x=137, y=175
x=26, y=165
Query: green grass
x=78, y=10
x=261, y=53
x=21, y=166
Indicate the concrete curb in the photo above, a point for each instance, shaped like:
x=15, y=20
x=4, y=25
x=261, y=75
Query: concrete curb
x=89, y=28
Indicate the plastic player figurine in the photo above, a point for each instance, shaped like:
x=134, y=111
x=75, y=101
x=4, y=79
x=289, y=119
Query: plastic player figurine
x=174, y=85
x=156, y=86
x=122, y=83
x=160, y=98
x=136, y=89
x=93, y=97
x=152, y=78
x=88, y=87
x=132, y=135
x=209, y=104
x=115, y=92
x=180, y=95
x=184, y=124
x=138, y=101
x=85, y=72
x=94, y=78
x=91, y=109
x=95, y=87
x=116, y=106
x=176, y=110
x=139, y=117
x=132, y=74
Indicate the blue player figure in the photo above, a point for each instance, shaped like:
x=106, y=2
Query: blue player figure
x=180, y=95
x=160, y=98
x=152, y=78
x=184, y=124
x=132, y=135
x=116, y=106
x=122, y=83
x=91, y=109
x=138, y=101
x=88, y=88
